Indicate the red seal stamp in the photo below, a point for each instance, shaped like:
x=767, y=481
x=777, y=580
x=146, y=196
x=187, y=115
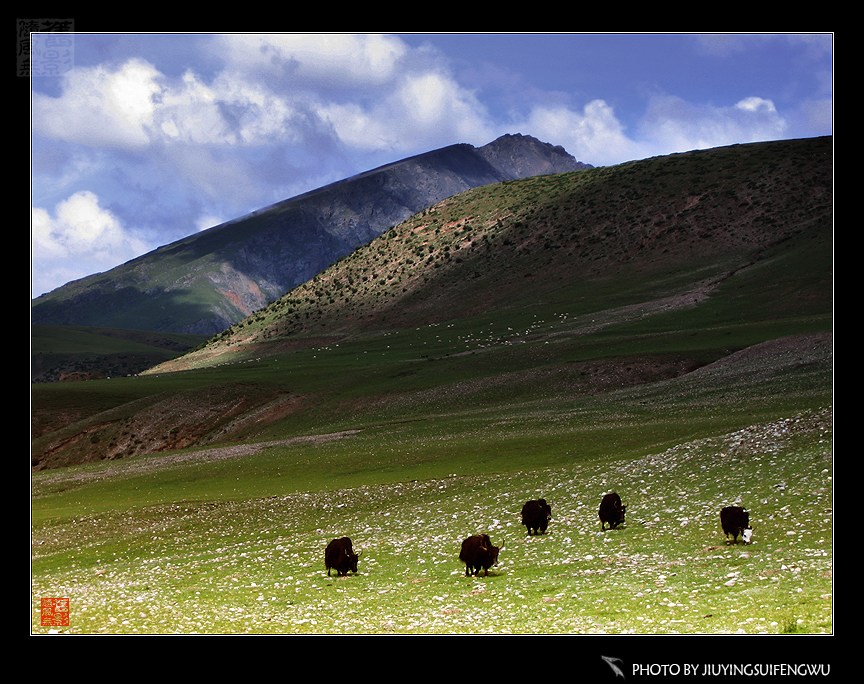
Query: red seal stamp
x=55, y=612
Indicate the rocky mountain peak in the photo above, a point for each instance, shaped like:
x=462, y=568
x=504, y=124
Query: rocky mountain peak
x=520, y=155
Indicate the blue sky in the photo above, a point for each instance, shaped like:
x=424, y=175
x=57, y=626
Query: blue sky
x=143, y=139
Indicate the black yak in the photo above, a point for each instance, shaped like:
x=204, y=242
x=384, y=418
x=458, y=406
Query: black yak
x=536, y=515
x=478, y=552
x=339, y=556
x=736, y=520
x=611, y=511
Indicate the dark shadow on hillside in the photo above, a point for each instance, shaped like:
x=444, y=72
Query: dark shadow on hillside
x=128, y=307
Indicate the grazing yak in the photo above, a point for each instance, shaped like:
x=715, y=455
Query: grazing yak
x=611, y=511
x=536, y=515
x=478, y=552
x=736, y=520
x=339, y=556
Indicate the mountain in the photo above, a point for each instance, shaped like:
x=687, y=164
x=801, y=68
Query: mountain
x=207, y=281
x=695, y=220
x=697, y=283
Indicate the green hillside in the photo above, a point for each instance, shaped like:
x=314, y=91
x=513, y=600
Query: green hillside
x=67, y=353
x=678, y=226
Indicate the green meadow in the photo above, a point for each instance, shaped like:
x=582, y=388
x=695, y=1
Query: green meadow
x=412, y=440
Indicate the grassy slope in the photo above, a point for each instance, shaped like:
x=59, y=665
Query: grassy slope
x=236, y=545
x=445, y=429
x=632, y=232
x=56, y=351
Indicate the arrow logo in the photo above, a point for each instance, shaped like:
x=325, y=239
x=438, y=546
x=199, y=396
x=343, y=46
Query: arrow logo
x=612, y=662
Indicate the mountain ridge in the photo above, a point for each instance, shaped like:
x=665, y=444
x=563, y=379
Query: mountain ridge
x=716, y=213
x=204, y=282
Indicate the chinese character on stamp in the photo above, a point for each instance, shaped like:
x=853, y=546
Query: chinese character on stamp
x=55, y=612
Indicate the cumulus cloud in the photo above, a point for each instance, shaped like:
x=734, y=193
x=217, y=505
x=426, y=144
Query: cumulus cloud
x=670, y=124
x=331, y=61
x=79, y=238
x=101, y=106
x=189, y=112
x=133, y=106
x=673, y=125
x=420, y=110
x=369, y=92
x=359, y=89
x=593, y=135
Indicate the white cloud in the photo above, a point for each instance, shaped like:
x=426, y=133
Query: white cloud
x=594, y=135
x=368, y=92
x=329, y=61
x=133, y=105
x=674, y=125
x=42, y=240
x=272, y=89
x=670, y=124
x=256, y=114
x=757, y=105
x=189, y=112
x=101, y=106
x=421, y=110
x=79, y=239
x=231, y=111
